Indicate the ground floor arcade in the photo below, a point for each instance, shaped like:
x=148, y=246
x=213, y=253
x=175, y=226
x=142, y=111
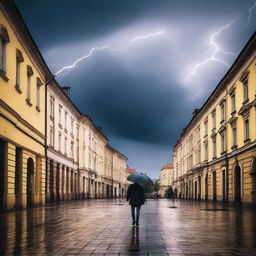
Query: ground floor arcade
x=232, y=178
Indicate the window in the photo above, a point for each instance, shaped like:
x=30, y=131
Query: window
x=245, y=88
x=29, y=75
x=72, y=150
x=59, y=141
x=247, y=129
x=38, y=86
x=214, y=119
x=206, y=127
x=60, y=113
x=72, y=126
x=223, y=111
x=233, y=102
x=19, y=59
x=89, y=161
x=65, y=121
x=214, y=147
x=206, y=151
x=223, y=142
x=4, y=39
x=51, y=136
x=234, y=135
x=51, y=107
x=65, y=145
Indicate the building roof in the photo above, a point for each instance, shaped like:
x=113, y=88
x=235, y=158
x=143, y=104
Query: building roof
x=168, y=166
x=131, y=170
x=239, y=61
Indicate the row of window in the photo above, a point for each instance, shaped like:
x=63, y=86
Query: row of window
x=60, y=117
x=4, y=40
x=197, y=153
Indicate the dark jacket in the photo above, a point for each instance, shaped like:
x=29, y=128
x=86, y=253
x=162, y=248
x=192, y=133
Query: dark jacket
x=135, y=194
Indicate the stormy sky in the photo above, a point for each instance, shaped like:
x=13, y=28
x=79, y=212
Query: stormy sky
x=140, y=67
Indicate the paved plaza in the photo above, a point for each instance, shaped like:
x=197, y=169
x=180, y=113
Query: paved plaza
x=103, y=227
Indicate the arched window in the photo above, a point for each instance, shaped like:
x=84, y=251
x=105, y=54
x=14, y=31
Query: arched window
x=19, y=59
x=4, y=39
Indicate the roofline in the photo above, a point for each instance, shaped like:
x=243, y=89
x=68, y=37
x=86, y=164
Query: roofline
x=227, y=77
x=10, y=4
x=116, y=151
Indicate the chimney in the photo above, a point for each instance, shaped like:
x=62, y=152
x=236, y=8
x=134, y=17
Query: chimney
x=66, y=89
x=195, y=112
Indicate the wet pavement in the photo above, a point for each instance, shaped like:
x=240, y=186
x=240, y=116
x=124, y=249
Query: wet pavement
x=103, y=227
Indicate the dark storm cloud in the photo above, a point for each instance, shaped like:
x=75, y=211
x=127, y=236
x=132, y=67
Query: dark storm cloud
x=141, y=90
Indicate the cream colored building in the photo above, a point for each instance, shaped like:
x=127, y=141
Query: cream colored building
x=62, y=145
x=166, y=179
x=215, y=157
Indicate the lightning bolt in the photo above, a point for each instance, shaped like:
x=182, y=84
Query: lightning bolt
x=81, y=58
x=216, y=49
x=250, y=12
x=143, y=37
x=137, y=38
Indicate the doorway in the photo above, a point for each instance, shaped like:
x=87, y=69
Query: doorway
x=30, y=178
x=237, y=185
x=223, y=185
x=214, y=186
x=206, y=186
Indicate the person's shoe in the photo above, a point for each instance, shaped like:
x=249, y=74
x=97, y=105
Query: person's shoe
x=133, y=224
x=137, y=224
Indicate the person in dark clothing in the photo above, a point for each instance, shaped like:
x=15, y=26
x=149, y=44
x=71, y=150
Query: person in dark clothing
x=136, y=197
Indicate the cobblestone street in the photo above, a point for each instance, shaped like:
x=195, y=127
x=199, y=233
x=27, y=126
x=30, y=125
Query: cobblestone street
x=103, y=227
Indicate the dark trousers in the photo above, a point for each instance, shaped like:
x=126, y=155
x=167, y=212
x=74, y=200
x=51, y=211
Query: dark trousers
x=135, y=210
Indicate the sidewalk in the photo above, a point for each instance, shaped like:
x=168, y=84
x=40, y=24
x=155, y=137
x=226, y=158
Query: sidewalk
x=103, y=227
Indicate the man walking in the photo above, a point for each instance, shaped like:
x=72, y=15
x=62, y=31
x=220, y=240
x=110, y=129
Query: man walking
x=136, y=197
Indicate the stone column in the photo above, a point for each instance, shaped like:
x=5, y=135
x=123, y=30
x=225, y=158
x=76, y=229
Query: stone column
x=9, y=174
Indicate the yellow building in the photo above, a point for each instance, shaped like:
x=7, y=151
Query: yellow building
x=22, y=113
x=215, y=157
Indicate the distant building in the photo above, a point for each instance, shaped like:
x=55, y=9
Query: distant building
x=215, y=156
x=166, y=178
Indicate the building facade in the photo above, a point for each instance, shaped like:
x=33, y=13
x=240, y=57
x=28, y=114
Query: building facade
x=23, y=75
x=49, y=150
x=62, y=145
x=215, y=157
x=166, y=179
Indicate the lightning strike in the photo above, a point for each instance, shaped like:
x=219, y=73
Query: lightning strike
x=250, y=12
x=216, y=49
x=107, y=47
x=137, y=38
x=80, y=59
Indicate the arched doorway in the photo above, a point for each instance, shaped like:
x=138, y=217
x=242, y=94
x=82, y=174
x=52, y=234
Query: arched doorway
x=195, y=195
x=214, y=186
x=237, y=185
x=51, y=181
x=2, y=173
x=30, y=178
x=206, y=186
x=199, y=187
x=58, y=182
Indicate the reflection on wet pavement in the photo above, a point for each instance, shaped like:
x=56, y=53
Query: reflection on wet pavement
x=103, y=227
